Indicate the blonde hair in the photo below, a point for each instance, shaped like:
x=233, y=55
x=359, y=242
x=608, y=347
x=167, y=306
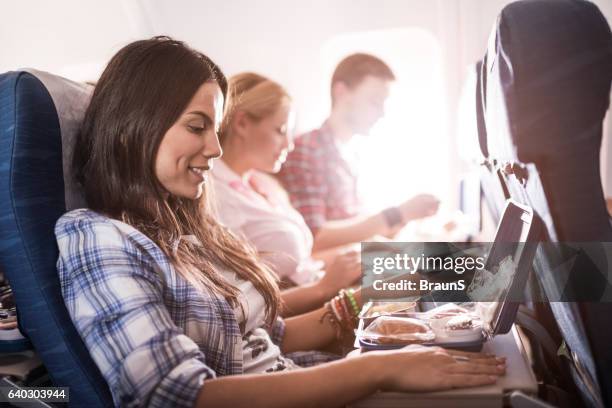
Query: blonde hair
x=253, y=94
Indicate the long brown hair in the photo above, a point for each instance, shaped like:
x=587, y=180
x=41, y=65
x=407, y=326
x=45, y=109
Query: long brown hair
x=140, y=95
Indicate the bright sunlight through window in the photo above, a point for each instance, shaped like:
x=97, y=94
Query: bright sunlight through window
x=406, y=152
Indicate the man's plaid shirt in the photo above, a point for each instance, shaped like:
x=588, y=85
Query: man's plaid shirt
x=320, y=183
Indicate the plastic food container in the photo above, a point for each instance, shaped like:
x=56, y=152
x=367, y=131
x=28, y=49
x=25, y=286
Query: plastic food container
x=372, y=310
x=467, y=328
x=449, y=326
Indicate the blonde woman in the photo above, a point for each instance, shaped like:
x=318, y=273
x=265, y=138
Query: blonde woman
x=256, y=137
x=175, y=311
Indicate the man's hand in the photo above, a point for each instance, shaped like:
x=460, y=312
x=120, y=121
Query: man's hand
x=420, y=206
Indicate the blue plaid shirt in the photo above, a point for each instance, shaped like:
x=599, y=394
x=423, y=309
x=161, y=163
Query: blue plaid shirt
x=155, y=338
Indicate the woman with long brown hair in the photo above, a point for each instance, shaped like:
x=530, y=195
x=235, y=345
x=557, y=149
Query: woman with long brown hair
x=170, y=304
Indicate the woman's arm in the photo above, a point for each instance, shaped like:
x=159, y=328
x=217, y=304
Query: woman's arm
x=302, y=299
x=328, y=255
x=310, y=331
x=342, y=232
x=329, y=385
x=414, y=368
x=335, y=233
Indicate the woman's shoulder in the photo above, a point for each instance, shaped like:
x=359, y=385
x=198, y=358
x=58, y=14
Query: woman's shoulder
x=98, y=236
x=82, y=218
x=83, y=223
x=83, y=213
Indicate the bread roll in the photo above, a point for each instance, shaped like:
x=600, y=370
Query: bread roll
x=400, y=325
x=398, y=330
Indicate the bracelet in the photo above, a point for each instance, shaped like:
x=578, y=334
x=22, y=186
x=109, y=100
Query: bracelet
x=345, y=303
x=330, y=315
x=347, y=322
x=393, y=216
x=334, y=308
x=346, y=313
x=350, y=294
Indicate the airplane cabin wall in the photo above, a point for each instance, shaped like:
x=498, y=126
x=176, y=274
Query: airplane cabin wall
x=281, y=39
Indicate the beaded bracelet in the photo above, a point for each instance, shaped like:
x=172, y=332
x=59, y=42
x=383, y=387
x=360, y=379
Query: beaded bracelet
x=350, y=294
x=341, y=300
x=345, y=302
x=349, y=302
x=349, y=321
x=342, y=311
x=336, y=310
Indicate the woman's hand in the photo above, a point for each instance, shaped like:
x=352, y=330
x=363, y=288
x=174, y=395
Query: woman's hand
x=335, y=384
x=344, y=271
x=420, y=368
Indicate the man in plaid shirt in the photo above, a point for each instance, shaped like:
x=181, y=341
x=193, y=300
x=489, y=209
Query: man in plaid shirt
x=318, y=174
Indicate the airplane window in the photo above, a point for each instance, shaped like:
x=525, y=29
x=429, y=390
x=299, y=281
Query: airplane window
x=412, y=139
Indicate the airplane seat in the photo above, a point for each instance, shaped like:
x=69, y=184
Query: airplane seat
x=497, y=188
x=494, y=187
x=551, y=92
x=39, y=118
x=548, y=72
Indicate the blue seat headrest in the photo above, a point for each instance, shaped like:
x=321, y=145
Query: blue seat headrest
x=39, y=117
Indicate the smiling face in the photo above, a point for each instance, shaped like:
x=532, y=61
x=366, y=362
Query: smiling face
x=189, y=146
x=267, y=141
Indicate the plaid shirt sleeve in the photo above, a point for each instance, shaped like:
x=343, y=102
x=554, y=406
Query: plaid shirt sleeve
x=303, y=177
x=277, y=331
x=301, y=358
x=312, y=358
x=114, y=296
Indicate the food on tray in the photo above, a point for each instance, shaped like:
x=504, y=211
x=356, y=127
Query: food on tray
x=452, y=323
x=386, y=308
x=459, y=322
x=460, y=328
x=399, y=325
x=398, y=330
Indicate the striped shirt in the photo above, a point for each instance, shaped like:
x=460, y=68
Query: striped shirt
x=154, y=336
x=320, y=182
